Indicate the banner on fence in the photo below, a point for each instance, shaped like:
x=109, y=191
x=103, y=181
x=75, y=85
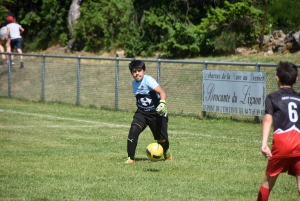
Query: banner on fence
x=234, y=92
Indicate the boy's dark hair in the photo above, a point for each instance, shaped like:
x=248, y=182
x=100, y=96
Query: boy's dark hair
x=287, y=73
x=137, y=64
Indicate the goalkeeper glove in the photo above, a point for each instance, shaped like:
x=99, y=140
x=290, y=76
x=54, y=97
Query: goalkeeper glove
x=162, y=108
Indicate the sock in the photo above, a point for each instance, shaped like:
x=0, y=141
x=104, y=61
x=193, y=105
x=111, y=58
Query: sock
x=132, y=140
x=263, y=194
x=165, y=145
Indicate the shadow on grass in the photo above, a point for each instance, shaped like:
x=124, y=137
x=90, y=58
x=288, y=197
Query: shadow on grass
x=151, y=170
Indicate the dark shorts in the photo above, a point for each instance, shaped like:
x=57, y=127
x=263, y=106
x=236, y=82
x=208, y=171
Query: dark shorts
x=157, y=124
x=16, y=43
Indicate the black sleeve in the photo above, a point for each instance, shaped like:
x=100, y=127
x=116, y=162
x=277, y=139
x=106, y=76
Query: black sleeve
x=269, y=106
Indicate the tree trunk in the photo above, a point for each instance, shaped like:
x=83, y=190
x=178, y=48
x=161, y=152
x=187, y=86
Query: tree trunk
x=264, y=27
x=74, y=14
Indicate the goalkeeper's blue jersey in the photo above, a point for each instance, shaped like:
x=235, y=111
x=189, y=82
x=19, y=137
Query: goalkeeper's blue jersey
x=146, y=98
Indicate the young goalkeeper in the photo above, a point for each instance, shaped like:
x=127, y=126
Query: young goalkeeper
x=282, y=109
x=151, y=111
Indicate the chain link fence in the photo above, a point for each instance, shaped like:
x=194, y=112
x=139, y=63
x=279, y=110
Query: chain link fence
x=106, y=82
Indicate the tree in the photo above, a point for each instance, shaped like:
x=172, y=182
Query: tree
x=100, y=24
x=73, y=15
x=284, y=14
x=261, y=39
x=3, y=11
x=45, y=22
x=181, y=28
x=226, y=28
x=166, y=27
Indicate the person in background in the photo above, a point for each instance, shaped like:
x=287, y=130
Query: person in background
x=282, y=109
x=14, y=31
x=151, y=111
x=4, y=38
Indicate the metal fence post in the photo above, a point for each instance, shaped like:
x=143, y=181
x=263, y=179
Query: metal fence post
x=257, y=68
x=205, y=65
x=78, y=81
x=158, y=63
x=43, y=78
x=117, y=84
x=204, y=68
x=9, y=76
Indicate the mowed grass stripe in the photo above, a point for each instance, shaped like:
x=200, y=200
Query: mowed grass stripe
x=183, y=134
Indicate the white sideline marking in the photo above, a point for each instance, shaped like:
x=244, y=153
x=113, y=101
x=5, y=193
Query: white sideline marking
x=63, y=118
x=182, y=134
x=47, y=126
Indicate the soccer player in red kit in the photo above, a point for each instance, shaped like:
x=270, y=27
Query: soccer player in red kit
x=282, y=108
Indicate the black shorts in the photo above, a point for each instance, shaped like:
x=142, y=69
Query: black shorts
x=16, y=43
x=157, y=124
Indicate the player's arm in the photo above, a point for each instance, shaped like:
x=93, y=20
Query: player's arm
x=161, y=92
x=21, y=30
x=161, y=108
x=7, y=33
x=266, y=126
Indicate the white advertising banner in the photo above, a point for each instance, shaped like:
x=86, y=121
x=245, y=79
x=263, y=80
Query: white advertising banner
x=234, y=92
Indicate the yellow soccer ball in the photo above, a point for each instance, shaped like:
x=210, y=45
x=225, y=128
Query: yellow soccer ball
x=154, y=151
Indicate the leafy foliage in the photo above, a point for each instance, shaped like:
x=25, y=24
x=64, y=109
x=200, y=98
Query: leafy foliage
x=284, y=14
x=100, y=24
x=234, y=25
x=3, y=13
x=175, y=38
x=173, y=29
x=163, y=27
x=44, y=21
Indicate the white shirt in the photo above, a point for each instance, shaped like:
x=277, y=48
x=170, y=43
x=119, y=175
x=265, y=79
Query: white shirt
x=14, y=30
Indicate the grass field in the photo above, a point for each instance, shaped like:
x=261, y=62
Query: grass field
x=61, y=152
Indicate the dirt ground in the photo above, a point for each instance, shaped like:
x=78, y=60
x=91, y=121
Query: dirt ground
x=58, y=50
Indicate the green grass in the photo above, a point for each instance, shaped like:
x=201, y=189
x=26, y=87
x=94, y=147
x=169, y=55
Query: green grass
x=51, y=151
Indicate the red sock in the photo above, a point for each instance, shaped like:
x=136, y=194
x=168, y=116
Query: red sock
x=263, y=194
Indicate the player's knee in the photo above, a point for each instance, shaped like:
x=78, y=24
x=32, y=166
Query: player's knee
x=134, y=131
